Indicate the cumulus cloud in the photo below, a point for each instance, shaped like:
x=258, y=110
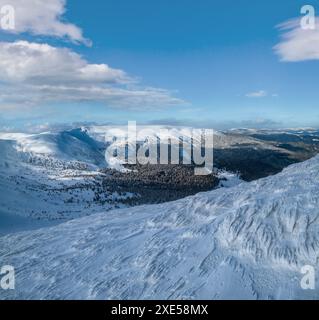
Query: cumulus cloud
x=34, y=63
x=257, y=94
x=298, y=44
x=44, y=17
x=34, y=74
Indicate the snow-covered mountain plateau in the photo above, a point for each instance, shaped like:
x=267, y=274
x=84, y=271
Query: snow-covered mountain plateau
x=249, y=241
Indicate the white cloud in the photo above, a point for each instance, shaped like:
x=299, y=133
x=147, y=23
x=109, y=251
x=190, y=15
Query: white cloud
x=34, y=74
x=257, y=94
x=44, y=17
x=34, y=63
x=298, y=44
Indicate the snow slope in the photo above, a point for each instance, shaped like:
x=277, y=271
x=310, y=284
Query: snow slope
x=74, y=145
x=51, y=176
x=248, y=242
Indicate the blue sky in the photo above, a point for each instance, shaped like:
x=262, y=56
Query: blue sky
x=217, y=58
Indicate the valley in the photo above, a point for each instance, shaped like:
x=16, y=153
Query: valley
x=50, y=178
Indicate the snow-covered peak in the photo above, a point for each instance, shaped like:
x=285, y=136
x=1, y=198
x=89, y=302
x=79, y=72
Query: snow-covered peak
x=73, y=145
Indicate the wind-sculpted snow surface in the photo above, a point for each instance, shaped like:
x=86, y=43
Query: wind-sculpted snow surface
x=246, y=242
